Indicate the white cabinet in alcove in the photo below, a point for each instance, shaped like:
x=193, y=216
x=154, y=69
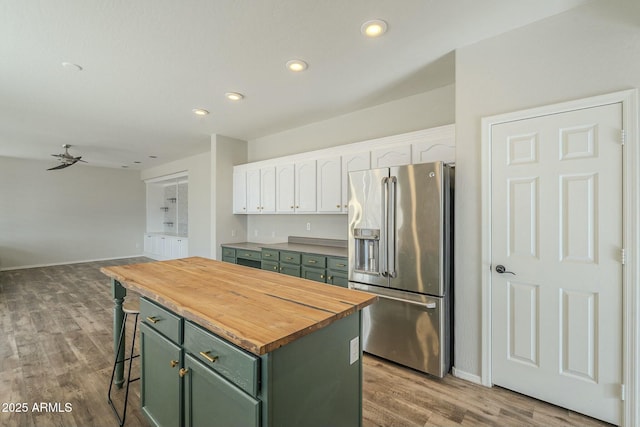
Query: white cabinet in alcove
x=261, y=190
x=239, y=190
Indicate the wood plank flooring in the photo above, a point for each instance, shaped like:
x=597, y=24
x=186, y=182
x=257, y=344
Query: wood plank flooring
x=56, y=348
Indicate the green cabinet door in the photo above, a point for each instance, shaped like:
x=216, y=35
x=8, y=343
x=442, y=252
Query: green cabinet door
x=337, y=278
x=161, y=383
x=317, y=274
x=211, y=400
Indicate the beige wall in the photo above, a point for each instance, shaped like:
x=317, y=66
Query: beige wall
x=76, y=214
x=592, y=50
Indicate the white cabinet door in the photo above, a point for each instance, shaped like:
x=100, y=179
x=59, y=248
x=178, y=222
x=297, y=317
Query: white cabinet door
x=352, y=162
x=268, y=190
x=285, y=198
x=391, y=156
x=432, y=151
x=305, y=186
x=239, y=191
x=253, y=191
x=329, y=189
x=181, y=248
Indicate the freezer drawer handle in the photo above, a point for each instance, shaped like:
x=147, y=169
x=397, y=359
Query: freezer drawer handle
x=430, y=305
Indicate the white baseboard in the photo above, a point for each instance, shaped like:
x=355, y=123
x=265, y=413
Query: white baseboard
x=22, y=267
x=466, y=376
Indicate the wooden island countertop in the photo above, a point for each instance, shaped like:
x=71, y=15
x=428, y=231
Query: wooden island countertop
x=257, y=310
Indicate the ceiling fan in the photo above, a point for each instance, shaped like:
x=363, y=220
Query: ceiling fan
x=66, y=159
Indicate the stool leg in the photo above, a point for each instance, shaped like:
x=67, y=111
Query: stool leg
x=133, y=344
x=113, y=372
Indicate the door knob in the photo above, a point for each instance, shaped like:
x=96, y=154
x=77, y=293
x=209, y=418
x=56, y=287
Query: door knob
x=500, y=269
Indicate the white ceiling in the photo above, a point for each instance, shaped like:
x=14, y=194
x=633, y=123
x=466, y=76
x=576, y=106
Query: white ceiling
x=148, y=63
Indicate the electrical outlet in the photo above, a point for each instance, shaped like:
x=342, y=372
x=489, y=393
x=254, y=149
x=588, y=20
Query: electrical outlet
x=308, y=226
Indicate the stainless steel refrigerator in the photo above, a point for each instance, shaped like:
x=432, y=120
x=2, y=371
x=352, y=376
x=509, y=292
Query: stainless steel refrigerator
x=400, y=248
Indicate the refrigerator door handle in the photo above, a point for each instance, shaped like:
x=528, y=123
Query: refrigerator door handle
x=430, y=305
x=384, y=228
x=392, y=235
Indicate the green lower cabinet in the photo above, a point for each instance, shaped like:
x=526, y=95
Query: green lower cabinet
x=161, y=394
x=211, y=400
x=317, y=274
x=338, y=278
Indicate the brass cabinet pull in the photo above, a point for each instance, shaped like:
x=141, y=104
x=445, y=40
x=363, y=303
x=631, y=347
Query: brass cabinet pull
x=322, y=276
x=312, y=261
x=153, y=319
x=275, y=267
x=205, y=354
x=280, y=268
x=183, y=372
x=329, y=277
x=291, y=207
x=289, y=258
x=267, y=255
x=340, y=265
x=174, y=363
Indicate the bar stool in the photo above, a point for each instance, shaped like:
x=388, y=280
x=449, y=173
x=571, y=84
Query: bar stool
x=129, y=307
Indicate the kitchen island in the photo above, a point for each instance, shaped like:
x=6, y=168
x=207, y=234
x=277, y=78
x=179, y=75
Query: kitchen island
x=228, y=345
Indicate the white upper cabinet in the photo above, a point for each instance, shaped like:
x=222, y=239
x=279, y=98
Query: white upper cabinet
x=305, y=186
x=391, y=156
x=285, y=188
x=317, y=182
x=329, y=188
x=253, y=191
x=268, y=189
x=352, y=162
x=261, y=190
x=239, y=190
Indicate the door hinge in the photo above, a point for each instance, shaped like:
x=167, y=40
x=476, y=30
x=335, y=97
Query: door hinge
x=623, y=136
x=623, y=256
x=622, y=392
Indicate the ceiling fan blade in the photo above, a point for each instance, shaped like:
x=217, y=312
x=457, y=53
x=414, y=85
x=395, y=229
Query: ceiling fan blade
x=79, y=159
x=62, y=166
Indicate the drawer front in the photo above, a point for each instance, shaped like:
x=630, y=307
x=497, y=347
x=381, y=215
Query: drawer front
x=316, y=274
x=229, y=259
x=270, y=265
x=228, y=252
x=339, y=264
x=161, y=320
x=317, y=261
x=290, y=257
x=241, y=253
x=236, y=365
x=270, y=254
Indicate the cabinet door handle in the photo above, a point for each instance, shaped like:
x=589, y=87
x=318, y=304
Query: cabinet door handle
x=340, y=265
x=153, y=319
x=280, y=268
x=291, y=207
x=205, y=354
x=322, y=276
x=183, y=372
x=289, y=258
x=174, y=363
x=329, y=277
x=275, y=267
x=312, y=261
x=338, y=206
x=267, y=255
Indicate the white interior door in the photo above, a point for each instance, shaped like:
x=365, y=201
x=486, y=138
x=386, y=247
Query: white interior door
x=556, y=205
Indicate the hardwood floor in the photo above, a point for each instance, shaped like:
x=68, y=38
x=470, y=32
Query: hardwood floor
x=56, y=349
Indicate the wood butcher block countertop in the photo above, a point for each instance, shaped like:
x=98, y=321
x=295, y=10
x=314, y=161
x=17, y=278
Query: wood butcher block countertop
x=257, y=310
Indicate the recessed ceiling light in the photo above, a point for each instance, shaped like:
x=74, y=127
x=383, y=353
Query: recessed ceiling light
x=234, y=96
x=71, y=66
x=200, y=112
x=374, y=28
x=297, y=65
